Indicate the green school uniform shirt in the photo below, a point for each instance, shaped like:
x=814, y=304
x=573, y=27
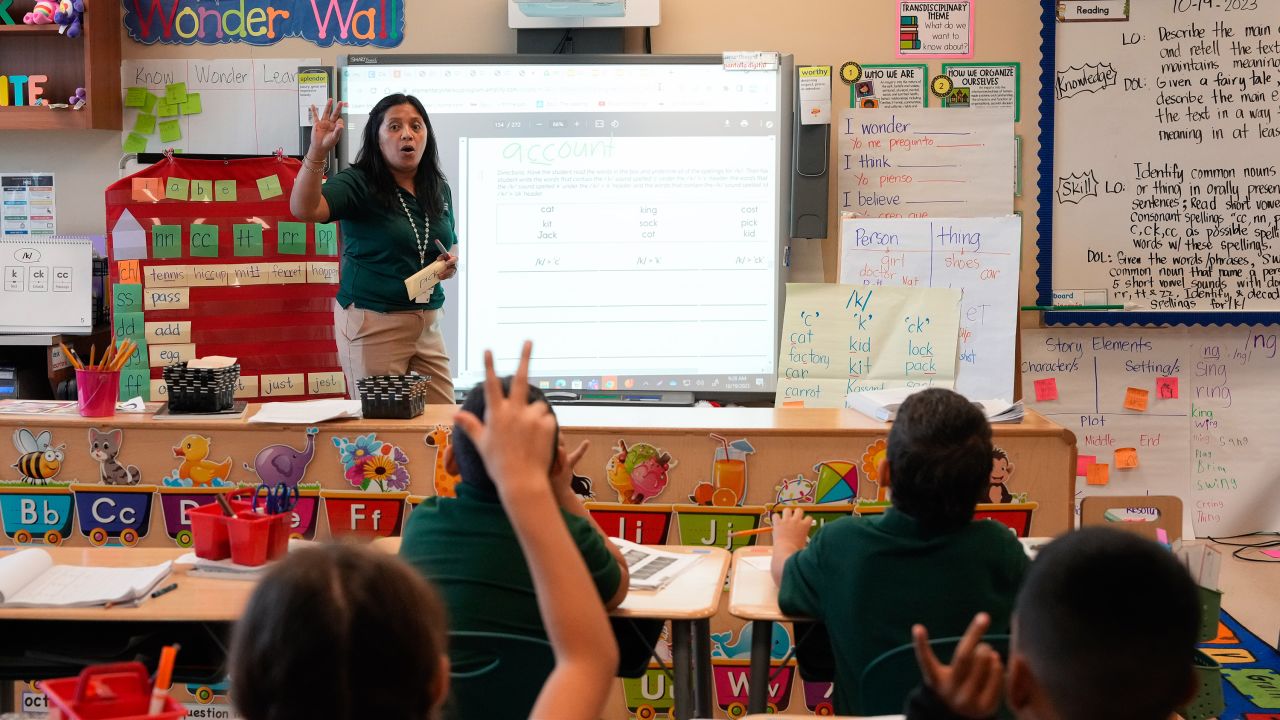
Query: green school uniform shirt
x=871, y=579
x=467, y=548
x=379, y=249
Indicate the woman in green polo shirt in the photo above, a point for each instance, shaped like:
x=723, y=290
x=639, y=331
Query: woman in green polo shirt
x=396, y=212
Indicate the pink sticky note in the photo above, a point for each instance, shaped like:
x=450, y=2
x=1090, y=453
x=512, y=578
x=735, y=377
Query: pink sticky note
x=1272, y=553
x=1162, y=536
x=1082, y=464
x=1046, y=389
x=1167, y=388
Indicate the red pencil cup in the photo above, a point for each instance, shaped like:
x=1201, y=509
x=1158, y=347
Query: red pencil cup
x=97, y=390
x=120, y=691
x=257, y=538
x=209, y=526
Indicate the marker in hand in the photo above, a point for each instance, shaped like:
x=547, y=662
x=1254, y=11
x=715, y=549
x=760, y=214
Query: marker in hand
x=440, y=247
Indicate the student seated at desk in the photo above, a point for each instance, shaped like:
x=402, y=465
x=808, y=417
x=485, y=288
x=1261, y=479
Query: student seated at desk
x=1104, y=629
x=925, y=560
x=346, y=633
x=467, y=548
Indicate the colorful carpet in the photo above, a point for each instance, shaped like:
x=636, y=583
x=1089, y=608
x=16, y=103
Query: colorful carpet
x=1250, y=672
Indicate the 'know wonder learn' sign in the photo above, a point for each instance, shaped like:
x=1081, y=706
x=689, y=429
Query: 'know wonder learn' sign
x=265, y=22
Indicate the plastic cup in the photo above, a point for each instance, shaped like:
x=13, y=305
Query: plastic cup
x=97, y=391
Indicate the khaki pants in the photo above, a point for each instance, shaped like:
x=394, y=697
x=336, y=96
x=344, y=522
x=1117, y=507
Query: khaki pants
x=375, y=343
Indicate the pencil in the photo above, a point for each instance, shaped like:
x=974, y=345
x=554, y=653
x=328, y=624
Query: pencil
x=164, y=677
x=757, y=531
x=126, y=351
x=109, y=355
x=70, y=356
x=92, y=350
x=76, y=359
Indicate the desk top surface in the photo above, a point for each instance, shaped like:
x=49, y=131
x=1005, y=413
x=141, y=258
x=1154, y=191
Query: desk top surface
x=693, y=595
x=197, y=599
x=656, y=420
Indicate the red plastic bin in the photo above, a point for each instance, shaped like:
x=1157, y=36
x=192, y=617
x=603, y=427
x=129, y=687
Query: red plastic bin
x=120, y=691
x=248, y=538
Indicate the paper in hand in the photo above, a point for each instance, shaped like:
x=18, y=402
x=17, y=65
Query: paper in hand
x=419, y=284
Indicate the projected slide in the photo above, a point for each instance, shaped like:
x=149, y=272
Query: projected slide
x=624, y=217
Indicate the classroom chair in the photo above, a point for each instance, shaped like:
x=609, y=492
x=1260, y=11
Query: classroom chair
x=1093, y=511
x=889, y=679
x=508, y=673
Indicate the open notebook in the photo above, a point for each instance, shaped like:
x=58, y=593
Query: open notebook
x=28, y=578
x=651, y=568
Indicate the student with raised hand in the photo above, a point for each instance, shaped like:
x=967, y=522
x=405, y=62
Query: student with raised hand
x=925, y=560
x=1104, y=629
x=516, y=440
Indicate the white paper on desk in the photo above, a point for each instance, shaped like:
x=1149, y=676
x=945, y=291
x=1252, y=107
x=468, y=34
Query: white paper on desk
x=309, y=411
x=759, y=562
x=651, y=568
x=128, y=239
x=80, y=585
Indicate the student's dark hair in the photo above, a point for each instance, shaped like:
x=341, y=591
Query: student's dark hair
x=1108, y=622
x=470, y=467
x=428, y=183
x=339, y=632
x=939, y=459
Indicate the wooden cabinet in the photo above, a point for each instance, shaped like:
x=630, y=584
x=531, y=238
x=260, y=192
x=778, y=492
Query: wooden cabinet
x=91, y=61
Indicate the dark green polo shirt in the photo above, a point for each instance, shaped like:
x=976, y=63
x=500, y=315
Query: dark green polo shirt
x=871, y=579
x=378, y=246
x=467, y=548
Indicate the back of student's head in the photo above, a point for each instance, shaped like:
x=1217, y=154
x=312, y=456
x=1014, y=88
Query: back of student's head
x=1108, y=621
x=939, y=458
x=339, y=632
x=470, y=467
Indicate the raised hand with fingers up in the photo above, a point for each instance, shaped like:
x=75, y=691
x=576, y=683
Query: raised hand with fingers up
x=971, y=685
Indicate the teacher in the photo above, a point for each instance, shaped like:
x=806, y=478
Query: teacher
x=396, y=212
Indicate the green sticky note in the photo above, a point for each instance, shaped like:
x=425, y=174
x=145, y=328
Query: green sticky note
x=166, y=109
x=170, y=130
x=135, y=383
x=204, y=240
x=291, y=238
x=327, y=239
x=269, y=187
x=145, y=124
x=192, y=105
x=135, y=96
x=247, y=240
x=176, y=93
x=126, y=297
x=202, y=190
x=224, y=190
x=128, y=325
x=177, y=188
x=166, y=241
x=139, y=360
x=149, y=103
x=135, y=143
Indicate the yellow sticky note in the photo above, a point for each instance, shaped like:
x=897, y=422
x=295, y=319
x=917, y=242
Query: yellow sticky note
x=177, y=188
x=192, y=105
x=170, y=130
x=134, y=144
x=224, y=190
x=202, y=190
x=269, y=187
x=1099, y=474
x=134, y=96
x=144, y=124
x=1126, y=458
x=1136, y=399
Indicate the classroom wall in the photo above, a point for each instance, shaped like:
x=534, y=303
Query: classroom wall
x=816, y=32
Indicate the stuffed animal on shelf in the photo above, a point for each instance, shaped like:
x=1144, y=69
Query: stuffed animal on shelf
x=68, y=16
x=42, y=14
x=78, y=100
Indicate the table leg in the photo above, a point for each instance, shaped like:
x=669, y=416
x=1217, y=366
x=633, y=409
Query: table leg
x=682, y=667
x=761, y=647
x=702, y=667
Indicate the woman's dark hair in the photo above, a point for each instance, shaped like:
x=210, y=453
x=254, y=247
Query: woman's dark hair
x=339, y=632
x=428, y=184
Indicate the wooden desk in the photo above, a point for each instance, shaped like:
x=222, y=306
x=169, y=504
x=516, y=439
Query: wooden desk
x=197, y=599
x=688, y=602
x=833, y=717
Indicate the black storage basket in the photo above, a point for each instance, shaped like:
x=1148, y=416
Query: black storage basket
x=393, y=396
x=200, y=390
